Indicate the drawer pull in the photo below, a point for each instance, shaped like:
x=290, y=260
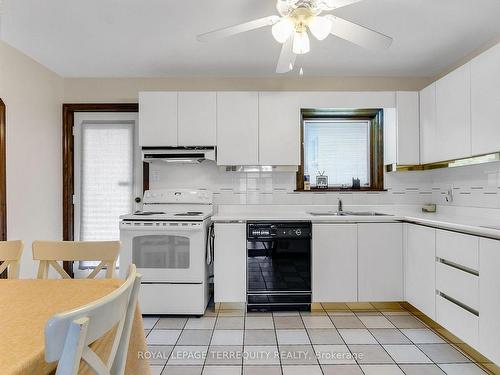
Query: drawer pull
x=458, y=266
x=459, y=304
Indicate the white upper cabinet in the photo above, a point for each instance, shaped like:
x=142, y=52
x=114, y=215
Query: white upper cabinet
x=453, y=130
x=485, y=101
x=237, y=128
x=157, y=118
x=334, y=263
x=420, y=268
x=279, y=128
x=408, y=127
x=428, y=142
x=197, y=118
x=380, y=262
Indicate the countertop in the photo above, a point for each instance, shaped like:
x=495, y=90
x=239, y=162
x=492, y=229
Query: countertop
x=471, y=222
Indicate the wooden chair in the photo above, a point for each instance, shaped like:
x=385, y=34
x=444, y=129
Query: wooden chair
x=49, y=253
x=10, y=255
x=69, y=334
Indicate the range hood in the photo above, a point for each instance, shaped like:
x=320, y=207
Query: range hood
x=179, y=155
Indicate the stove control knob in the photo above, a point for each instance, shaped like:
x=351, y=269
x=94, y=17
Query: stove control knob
x=298, y=232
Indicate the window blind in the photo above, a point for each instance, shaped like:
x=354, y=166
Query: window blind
x=339, y=148
x=107, y=166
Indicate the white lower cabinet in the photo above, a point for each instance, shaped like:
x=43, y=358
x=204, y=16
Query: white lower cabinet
x=420, y=268
x=380, y=262
x=334, y=262
x=489, y=299
x=230, y=262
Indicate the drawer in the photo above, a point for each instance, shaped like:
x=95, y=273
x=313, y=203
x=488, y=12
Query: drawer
x=458, y=284
x=460, y=322
x=462, y=249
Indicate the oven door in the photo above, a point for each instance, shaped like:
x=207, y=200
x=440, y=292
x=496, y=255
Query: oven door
x=165, y=254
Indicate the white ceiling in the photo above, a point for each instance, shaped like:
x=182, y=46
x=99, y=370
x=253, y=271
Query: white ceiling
x=125, y=38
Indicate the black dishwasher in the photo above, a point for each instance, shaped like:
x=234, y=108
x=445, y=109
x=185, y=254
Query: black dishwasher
x=278, y=266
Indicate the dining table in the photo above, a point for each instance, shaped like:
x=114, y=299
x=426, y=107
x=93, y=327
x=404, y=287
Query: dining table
x=27, y=305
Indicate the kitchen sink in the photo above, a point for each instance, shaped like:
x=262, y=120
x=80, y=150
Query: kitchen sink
x=347, y=213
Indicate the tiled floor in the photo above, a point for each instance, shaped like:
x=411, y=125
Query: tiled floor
x=325, y=342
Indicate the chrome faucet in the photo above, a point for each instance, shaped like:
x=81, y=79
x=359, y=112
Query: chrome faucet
x=339, y=208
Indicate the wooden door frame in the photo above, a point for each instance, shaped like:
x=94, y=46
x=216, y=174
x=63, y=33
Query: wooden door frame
x=68, y=117
x=3, y=178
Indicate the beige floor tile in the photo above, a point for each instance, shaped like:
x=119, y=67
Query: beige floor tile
x=262, y=370
x=322, y=336
x=201, y=323
x=402, y=321
x=462, y=369
x=347, y=322
x=370, y=354
x=159, y=354
x=406, y=354
x=288, y=322
x=422, y=336
x=225, y=355
x=302, y=370
x=149, y=322
x=297, y=355
x=333, y=354
x=357, y=336
x=195, y=337
x=381, y=370
x=341, y=370
x=292, y=337
x=182, y=370
x=171, y=323
x=256, y=355
x=188, y=355
x=257, y=322
x=376, y=322
x=227, y=337
x=260, y=337
x=389, y=336
x=422, y=370
x=317, y=322
x=163, y=337
x=226, y=322
x=221, y=370
x=443, y=353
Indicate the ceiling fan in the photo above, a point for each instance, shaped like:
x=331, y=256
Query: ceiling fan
x=297, y=17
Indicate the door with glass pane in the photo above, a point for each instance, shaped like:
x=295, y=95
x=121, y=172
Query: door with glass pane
x=108, y=175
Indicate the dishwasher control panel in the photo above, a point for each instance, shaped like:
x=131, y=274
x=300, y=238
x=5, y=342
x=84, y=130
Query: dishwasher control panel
x=272, y=230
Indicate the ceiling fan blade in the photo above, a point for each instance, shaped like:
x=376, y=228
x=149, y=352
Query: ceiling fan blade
x=236, y=29
x=287, y=57
x=357, y=34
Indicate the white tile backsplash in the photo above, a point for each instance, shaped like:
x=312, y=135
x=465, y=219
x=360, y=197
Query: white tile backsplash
x=473, y=186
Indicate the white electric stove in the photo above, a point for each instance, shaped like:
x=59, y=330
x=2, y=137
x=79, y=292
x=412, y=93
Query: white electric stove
x=167, y=241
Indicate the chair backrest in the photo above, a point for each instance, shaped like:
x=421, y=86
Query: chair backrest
x=49, y=253
x=10, y=255
x=69, y=334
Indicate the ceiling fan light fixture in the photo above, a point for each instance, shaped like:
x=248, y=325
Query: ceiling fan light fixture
x=283, y=29
x=301, y=43
x=320, y=27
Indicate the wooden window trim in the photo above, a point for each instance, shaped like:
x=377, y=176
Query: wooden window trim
x=376, y=118
x=68, y=117
x=3, y=178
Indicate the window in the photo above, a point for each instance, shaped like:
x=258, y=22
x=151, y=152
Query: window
x=342, y=145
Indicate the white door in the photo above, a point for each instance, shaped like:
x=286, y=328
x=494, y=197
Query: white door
x=230, y=262
x=420, y=268
x=380, y=262
x=108, y=174
x=335, y=263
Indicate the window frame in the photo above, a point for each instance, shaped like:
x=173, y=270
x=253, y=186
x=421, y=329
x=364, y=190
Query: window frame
x=375, y=117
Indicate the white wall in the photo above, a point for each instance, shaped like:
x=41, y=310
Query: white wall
x=33, y=96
